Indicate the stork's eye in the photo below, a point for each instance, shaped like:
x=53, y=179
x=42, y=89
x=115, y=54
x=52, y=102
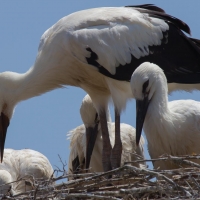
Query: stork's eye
x=145, y=85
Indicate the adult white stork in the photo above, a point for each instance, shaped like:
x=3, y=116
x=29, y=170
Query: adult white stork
x=170, y=127
x=24, y=164
x=98, y=50
x=86, y=142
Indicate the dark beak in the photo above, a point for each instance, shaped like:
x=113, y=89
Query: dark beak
x=4, y=123
x=141, y=110
x=91, y=135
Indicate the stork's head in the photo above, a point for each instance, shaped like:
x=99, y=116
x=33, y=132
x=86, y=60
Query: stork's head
x=90, y=119
x=147, y=80
x=8, y=99
x=88, y=112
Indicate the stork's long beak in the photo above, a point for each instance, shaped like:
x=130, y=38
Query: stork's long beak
x=141, y=110
x=4, y=123
x=91, y=135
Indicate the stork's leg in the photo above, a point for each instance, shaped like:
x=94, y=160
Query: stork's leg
x=117, y=149
x=106, y=142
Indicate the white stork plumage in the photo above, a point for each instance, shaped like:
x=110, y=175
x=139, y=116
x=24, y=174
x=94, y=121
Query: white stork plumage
x=98, y=50
x=25, y=163
x=88, y=137
x=5, y=182
x=170, y=127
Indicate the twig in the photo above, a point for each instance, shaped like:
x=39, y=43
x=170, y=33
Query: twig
x=130, y=183
x=78, y=195
x=167, y=158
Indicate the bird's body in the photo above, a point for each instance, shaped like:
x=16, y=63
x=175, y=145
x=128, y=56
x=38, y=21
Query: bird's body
x=63, y=57
x=112, y=41
x=170, y=127
x=27, y=164
x=78, y=142
x=97, y=50
x=176, y=129
x=129, y=150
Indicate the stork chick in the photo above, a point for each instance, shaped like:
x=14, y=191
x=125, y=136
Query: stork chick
x=87, y=153
x=170, y=127
x=20, y=167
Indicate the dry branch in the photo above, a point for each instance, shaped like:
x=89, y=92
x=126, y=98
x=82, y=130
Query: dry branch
x=127, y=182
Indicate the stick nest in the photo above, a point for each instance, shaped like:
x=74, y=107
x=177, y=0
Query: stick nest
x=127, y=183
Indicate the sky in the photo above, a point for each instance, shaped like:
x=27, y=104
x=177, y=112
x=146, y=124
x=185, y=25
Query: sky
x=41, y=123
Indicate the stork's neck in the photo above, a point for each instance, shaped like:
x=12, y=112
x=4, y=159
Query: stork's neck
x=36, y=81
x=158, y=123
x=158, y=109
x=159, y=126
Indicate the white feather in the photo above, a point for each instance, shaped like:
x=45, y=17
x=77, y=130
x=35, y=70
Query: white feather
x=115, y=36
x=78, y=141
x=25, y=163
x=170, y=127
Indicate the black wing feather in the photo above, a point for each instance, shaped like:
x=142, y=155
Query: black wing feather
x=154, y=11
x=178, y=55
x=148, y=7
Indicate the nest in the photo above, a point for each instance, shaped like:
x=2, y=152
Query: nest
x=127, y=183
